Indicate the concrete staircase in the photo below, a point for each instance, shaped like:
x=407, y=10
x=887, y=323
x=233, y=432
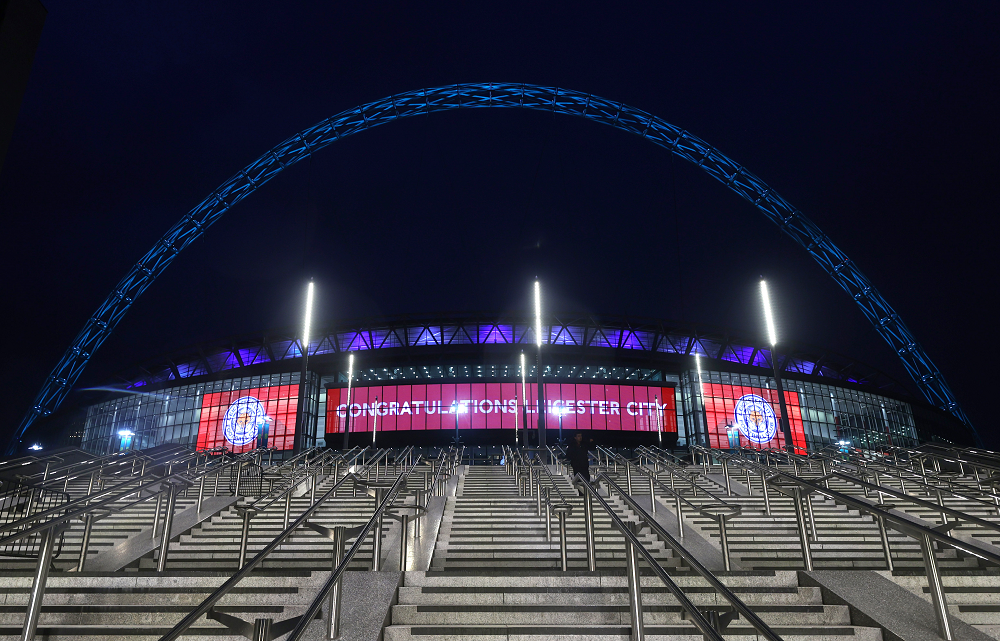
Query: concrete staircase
x=139, y=603
x=495, y=576
x=848, y=540
x=494, y=573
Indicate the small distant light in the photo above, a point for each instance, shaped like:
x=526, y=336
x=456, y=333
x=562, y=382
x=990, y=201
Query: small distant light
x=125, y=432
x=35, y=447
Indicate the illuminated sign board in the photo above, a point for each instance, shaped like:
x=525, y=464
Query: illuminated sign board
x=234, y=419
x=496, y=406
x=754, y=412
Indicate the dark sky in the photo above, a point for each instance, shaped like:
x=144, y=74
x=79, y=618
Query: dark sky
x=877, y=120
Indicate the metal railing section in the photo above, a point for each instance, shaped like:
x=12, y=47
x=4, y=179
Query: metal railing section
x=926, y=481
x=51, y=524
x=925, y=535
x=711, y=626
x=23, y=502
x=719, y=511
x=266, y=629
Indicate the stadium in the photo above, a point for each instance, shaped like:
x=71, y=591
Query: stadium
x=428, y=380
x=272, y=389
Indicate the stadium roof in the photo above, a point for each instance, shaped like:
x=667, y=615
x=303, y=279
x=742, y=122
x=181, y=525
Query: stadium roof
x=412, y=333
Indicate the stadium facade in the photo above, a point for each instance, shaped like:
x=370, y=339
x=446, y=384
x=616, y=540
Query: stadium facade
x=423, y=380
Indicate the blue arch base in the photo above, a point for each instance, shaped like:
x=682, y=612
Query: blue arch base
x=488, y=95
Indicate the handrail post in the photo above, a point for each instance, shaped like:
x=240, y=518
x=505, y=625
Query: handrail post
x=88, y=525
x=634, y=585
x=562, y=539
x=548, y=518
x=588, y=525
x=156, y=513
x=244, y=537
x=652, y=496
x=812, y=517
x=800, y=517
x=767, y=499
x=725, y=472
x=261, y=629
x=168, y=521
x=404, y=526
x=288, y=507
x=201, y=493
x=944, y=515
x=884, y=534
x=239, y=477
x=38, y=585
x=724, y=542
x=377, y=532
x=936, y=588
x=538, y=493
x=628, y=477
x=680, y=514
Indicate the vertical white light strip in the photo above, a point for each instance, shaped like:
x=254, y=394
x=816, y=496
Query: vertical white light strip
x=659, y=427
x=538, y=312
x=375, y=422
x=701, y=391
x=772, y=336
x=524, y=394
x=307, y=324
x=350, y=377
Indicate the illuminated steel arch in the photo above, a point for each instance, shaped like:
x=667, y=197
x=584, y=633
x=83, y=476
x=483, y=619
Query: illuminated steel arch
x=482, y=95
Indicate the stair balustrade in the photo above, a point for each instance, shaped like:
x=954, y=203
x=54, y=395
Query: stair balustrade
x=926, y=536
x=50, y=524
x=634, y=547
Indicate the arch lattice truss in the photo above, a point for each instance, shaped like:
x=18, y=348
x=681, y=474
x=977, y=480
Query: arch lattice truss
x=496, y=95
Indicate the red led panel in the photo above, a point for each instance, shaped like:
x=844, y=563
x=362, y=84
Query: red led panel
x=232, y=419
x=721, y=403
x=495, y=406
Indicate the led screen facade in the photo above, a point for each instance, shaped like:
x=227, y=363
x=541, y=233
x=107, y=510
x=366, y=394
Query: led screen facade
x=754, y=412
x=500, y=406
x=234, y=419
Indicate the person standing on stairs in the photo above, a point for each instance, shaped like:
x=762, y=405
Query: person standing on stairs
x=578, y=455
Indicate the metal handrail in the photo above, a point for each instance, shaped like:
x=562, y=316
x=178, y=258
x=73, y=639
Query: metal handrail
x=69, y=472
x=439, y=469
x=55, y=526
x=947, y=454
x=222, y=590
x=633, y=545
x=701, y=509
x=28, y=460
x=295, y=479
x=924, y=534
x=693, y=562
x=905, y=525
x=683, y=475
x=958, y=514
x=90, y=506
x=720, y=517
x=864, y=469
x=317, y=603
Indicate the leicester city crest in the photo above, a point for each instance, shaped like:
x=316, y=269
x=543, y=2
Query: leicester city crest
x=755, y=419
x=243, y=420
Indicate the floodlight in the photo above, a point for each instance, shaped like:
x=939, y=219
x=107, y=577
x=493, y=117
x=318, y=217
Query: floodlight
x=538, y=312
x=126, y=432
x=35, y=447
x=307, y=323
x=771, y=334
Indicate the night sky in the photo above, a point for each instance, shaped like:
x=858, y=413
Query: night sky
x=879, y=121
